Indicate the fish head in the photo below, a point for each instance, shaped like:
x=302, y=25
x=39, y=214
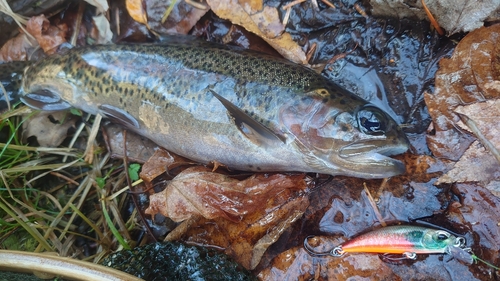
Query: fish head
x=345, y=137
x=51, y=84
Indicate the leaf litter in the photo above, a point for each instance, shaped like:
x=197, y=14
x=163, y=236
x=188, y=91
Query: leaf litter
x=267, y=236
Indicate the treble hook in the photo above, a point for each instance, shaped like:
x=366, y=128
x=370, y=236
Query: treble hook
x=335, y=252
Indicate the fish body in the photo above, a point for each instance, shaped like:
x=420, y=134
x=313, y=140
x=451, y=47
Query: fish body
x=10, y=77
x=402, y=239
x=208, y=102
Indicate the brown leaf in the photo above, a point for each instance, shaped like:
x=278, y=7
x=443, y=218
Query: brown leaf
x=266, y=24
x=453, y=15
x=476, y=165
x=198, y=191
x=160, y=162
x=16, y=49
x=246, y=241
x=484, y=117
x=465, y=78
x=297, y=264
x=49, y=128
x=136, y=10
x=139, y=149
x=48, y=36
x=181, y=19
x=101, y=30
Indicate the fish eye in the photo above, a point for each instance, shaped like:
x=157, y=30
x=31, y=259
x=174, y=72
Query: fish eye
x=372, y=121
x=441, y=236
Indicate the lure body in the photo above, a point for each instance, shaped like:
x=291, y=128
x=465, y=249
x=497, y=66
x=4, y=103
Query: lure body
x=401, y=240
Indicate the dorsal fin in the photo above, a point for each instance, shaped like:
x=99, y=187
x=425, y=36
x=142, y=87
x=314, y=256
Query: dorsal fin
x=251, y=128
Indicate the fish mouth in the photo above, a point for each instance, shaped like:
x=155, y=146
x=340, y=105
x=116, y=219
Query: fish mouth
x=44, y=100
x=371, y=158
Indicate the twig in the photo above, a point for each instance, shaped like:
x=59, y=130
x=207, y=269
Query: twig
x=360, y=10
x=432, y=19
x=129, y=182
x=329, y=4
x=484, y=141
x=374, y=206
x=293, y=3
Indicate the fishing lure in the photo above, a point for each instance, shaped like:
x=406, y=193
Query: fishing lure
x=401, y=239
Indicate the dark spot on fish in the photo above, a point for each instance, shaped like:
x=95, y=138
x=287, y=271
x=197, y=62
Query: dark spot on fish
x=259, y=168
x=325, y=100
x=342, y=101
x=250, y=166
x=344, y=129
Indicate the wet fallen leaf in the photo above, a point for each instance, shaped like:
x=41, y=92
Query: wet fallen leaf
x=181, y=19
x=478, y=213
x=482, y=121
x=49, y=128
x=468, y=76
x=266, y=23
x=17, y=48
x=453, y=15
x=198, y=191
x=247, y=240
x=161, y=162
x=101, y=31
x=297, y=264
x=101, y=5
x=135, y=9
x=139, y=149
x=476, y=165
x=48, y=36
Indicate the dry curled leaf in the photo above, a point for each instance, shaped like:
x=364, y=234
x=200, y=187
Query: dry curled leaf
x=265, y=23
x=198, y=191
x=135, y=9
x=49, y=128
x=101, y=31
x=16, y=49
x=48, y=36
x=465, y=78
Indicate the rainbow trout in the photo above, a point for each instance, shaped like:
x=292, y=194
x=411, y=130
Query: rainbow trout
x=208, y=102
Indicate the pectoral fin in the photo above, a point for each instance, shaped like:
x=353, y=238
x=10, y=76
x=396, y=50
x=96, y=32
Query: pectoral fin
x=119, y=116
x=251, y=128
x=45, y=100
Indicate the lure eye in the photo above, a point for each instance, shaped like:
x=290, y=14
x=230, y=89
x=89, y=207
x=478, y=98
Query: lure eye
x=372, y=121
x=442, y=236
